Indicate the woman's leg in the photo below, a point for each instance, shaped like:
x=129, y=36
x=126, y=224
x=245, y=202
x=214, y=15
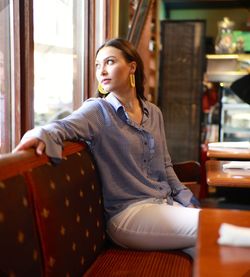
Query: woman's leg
x=155, y=225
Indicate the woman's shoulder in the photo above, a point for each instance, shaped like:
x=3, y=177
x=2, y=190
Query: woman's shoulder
x=97, y=107
x=96, y=102
x=152, y=107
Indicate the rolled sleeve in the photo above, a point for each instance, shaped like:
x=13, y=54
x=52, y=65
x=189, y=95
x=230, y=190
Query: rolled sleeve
x=52, y=149
x=184, y=197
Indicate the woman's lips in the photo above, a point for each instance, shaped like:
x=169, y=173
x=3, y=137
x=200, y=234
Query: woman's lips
x=105, y=81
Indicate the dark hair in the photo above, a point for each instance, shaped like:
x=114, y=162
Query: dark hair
x=130, y=54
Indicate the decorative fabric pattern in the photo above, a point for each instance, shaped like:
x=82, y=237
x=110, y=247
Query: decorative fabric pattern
x=70, y=214
x=121, y=262
x=52, y=223
x=20, y=253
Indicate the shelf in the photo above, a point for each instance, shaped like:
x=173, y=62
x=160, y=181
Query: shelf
x=235, y=106
x=235, y=130
x=224, y=76
x=227, y=68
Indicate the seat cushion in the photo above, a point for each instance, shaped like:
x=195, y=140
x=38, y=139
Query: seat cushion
x=122, y=262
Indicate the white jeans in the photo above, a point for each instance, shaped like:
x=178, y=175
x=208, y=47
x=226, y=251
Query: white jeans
x=152, y=224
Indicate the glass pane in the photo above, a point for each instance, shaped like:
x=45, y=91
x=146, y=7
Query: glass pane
x=5, y=78
x=57, y=44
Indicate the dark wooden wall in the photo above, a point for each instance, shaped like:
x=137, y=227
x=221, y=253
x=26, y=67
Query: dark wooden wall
x=181, y=73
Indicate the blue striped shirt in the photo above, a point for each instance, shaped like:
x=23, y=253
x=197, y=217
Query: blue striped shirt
x=132, y=159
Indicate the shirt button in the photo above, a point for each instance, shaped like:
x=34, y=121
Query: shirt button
x=144, y=161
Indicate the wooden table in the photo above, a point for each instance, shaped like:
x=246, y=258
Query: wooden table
x=215, y=260
x=228, y=153
x=219, y=177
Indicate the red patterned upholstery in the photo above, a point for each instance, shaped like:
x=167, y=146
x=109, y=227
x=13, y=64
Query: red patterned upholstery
x=20, y=253
x=70, y=214
x=52, y=223
x=121, y=262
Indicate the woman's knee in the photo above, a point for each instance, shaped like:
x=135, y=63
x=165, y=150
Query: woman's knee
x=156, y=227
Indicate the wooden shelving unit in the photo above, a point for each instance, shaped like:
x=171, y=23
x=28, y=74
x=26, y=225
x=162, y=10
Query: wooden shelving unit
x=148, y=47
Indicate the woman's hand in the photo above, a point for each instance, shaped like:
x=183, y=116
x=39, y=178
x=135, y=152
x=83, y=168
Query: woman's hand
x=28, y=143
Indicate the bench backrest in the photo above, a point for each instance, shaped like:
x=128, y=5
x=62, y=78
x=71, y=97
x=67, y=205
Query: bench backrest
x=66, y=216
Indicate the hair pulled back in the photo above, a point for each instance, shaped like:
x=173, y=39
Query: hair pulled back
x=131, y=55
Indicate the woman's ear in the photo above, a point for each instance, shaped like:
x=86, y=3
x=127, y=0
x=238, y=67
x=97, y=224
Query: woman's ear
x=132, y=67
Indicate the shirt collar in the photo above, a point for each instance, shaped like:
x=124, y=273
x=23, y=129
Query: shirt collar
x=117, y=104
x=113, y=101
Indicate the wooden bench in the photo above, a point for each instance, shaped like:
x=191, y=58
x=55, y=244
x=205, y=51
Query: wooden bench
x=52, y=222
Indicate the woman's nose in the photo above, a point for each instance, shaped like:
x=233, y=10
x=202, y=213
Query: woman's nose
x=103, y=70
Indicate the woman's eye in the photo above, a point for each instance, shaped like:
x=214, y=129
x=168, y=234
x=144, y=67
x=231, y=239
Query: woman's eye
x=97, y=66
x=110, y=62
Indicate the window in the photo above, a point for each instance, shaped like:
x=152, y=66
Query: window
x=47, y=52
x=5, y=77
x=58, y=56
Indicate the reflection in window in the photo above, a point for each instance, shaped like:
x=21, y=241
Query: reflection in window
x=5, y=88
x=57, y=52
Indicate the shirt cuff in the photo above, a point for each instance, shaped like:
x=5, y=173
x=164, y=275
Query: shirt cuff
x=52, y=149
x=195, y=202
x=184, y=197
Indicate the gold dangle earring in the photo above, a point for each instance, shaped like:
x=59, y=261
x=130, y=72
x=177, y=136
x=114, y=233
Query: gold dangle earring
x=132, y=80
x=101, y=89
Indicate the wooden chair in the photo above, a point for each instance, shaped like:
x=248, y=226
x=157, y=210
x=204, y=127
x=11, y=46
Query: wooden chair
x=189, y=173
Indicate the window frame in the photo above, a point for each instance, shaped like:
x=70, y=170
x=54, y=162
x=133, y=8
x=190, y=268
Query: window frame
x=27, y=62
x=22, y=60
x=26, y=66
x=16, y=82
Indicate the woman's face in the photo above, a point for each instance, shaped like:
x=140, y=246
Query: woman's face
x=112, y=70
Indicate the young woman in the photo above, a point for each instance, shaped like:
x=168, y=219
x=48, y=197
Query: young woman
x=146, y=205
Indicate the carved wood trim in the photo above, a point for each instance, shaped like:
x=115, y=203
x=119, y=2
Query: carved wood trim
x=138, y=21
x=17, y=163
